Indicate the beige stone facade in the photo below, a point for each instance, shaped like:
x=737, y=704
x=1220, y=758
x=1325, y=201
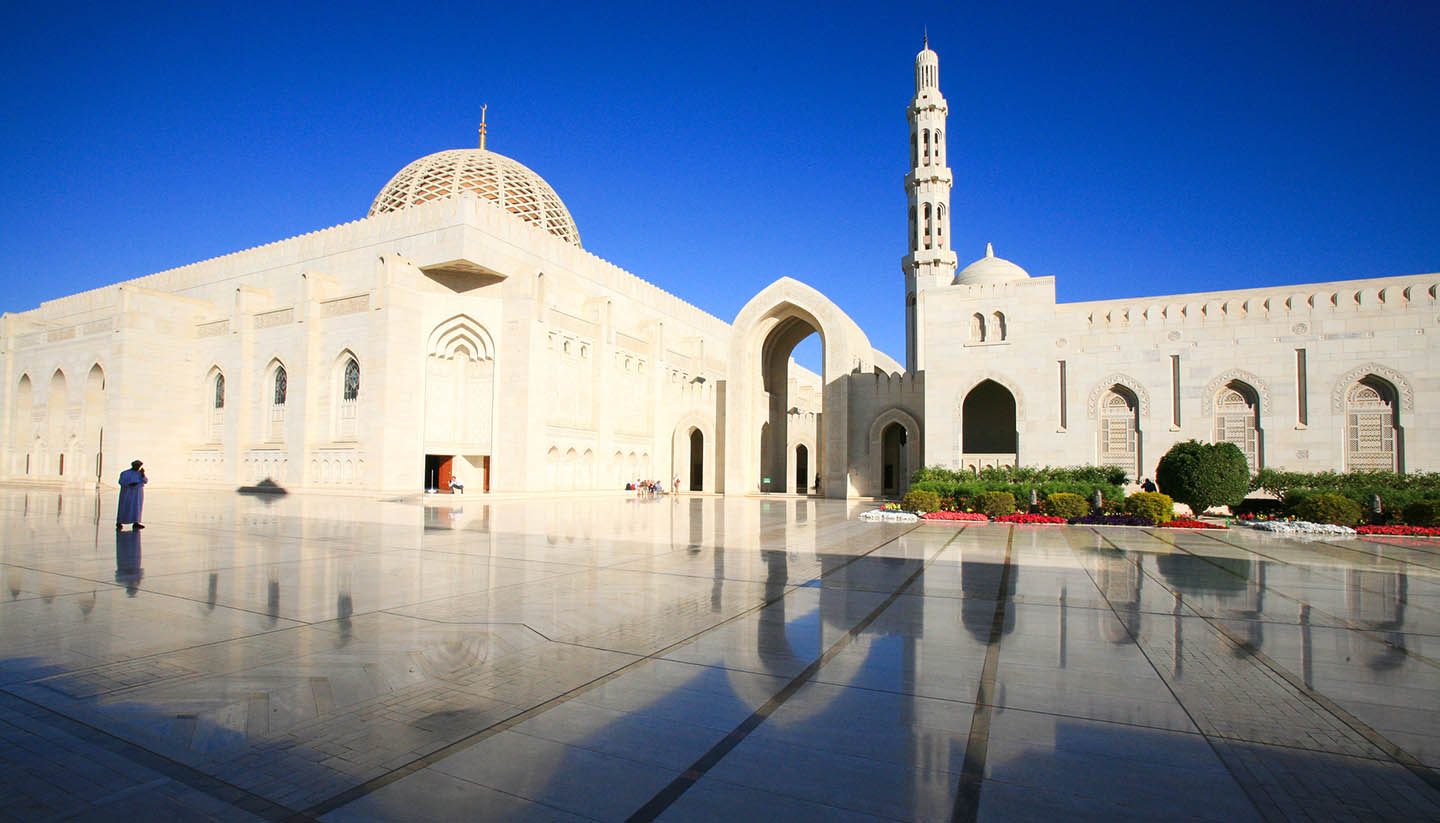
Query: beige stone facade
x=460, y=330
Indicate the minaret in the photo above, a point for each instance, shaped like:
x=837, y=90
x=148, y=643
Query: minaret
x=930, y=262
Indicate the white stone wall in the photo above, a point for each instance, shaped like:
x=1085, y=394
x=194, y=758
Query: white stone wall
x=1385, y=325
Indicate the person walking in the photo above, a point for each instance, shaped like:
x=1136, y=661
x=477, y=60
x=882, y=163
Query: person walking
x=132, y=496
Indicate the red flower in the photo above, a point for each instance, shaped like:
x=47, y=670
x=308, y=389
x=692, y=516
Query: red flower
x=1026, y=519
x=1401, y=531
x=1184, y=523
x=975, y=517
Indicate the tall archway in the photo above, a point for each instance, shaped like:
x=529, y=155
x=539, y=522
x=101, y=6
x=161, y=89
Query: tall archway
x=894, y=452
x=92, y=436
x=57, y=404
x=989, y=435
x=1372, y=426
x=802, y=469
x=764, y=334
x=697, y=460
x=22, y=425
x=893, y=471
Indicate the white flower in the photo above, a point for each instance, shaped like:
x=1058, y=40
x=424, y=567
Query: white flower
x=878, y=516
x=1299, y=527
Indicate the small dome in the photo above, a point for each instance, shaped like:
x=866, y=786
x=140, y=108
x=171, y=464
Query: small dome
x=506, y=183
x=989, y=269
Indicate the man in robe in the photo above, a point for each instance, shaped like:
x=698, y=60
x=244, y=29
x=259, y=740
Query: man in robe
x=132, y=496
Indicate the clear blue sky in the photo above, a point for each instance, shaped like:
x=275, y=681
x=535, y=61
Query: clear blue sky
x=1126, y=148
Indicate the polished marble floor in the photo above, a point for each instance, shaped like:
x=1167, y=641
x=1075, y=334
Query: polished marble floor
x=606, y=658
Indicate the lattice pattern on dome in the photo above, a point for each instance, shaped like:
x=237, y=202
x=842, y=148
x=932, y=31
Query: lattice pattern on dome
x=506, y=183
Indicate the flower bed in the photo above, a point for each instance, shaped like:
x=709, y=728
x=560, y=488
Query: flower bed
x=1026, y=518
x=1110, y=520
x=1401, y=531
x=1185, y=523
x=881, y=516
x=1299, y=527
x=974, y=517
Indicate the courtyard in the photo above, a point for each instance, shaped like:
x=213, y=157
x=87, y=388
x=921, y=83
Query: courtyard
x=603, y=657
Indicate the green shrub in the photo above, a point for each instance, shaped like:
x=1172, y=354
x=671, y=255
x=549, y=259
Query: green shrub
x=1202, y=475
x=1065, y=504
x=1328, y=508
x=1422, y=513
x=920, y=501
x=995, y=504
x=1153, y=506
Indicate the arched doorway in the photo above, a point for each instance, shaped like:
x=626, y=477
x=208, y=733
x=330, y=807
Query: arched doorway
x=894, y=471
x=802, y=469
x=697, y=460
x=988, y=432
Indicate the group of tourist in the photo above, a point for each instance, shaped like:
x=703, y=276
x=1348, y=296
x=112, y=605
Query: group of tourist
x=650, y=488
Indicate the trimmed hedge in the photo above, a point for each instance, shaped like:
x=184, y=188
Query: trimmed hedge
x=1396, y=491
x=995, y=504
x=1064, y=504
x=920, y=501
x=1202, y=475
x=960, y=488
x=1329, y=508
x=1155, y=507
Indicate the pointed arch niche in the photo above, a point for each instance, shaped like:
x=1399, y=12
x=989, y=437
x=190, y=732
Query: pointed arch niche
x=460, y=404
x=894, y=452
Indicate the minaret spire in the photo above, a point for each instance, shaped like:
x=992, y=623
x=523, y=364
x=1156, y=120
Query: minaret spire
x=930, y=263
x=483, y=106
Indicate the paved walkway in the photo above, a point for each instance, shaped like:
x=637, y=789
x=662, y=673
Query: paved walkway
x=605, y=658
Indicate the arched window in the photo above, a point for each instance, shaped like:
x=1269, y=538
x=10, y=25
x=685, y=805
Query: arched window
x=915, y=150
x=940, y=226
x=926, y=141
x=1237, y=420
x=977, y=327
x=997, y=325
x=938, y=143
x=280, y=386
x=1371, y=426
x=219, y=391
x=1120, y=430
x=914, y=238
x=352, y=380
x=929, y=226
x=347, y=410
x=215, y=418
x=279, y=389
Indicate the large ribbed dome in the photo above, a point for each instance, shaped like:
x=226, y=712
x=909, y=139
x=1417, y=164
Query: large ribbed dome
x=508, y=184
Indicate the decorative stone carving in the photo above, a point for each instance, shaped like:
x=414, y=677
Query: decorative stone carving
x=1402, y=386
x=269, y=319
x=345, y=305
x=216, y=329
x=1212, y=388
x=1092, y=408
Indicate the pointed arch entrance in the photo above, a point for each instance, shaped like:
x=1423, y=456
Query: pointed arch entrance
x=764, y=334
x=459, y=406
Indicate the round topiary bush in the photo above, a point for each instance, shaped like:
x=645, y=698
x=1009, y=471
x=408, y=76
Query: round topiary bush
x=1156, y=507
x=1066, y=505
x=995, y=504
x=1329, y=508
x=1202, y=475
x=1422, y=513
x=920, y=501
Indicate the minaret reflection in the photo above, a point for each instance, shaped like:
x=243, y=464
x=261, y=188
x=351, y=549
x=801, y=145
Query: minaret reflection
x=1375, y=601
x=127, y=561
x=272, y=596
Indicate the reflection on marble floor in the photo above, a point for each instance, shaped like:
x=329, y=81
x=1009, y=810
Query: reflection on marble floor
x=583, y=658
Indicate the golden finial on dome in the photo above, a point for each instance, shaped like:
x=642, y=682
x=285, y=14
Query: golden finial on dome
x=483, y=106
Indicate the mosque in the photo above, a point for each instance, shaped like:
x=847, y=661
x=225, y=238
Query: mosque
x=461, y=331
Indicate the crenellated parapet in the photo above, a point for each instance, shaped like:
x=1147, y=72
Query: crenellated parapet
x=1321, y=300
